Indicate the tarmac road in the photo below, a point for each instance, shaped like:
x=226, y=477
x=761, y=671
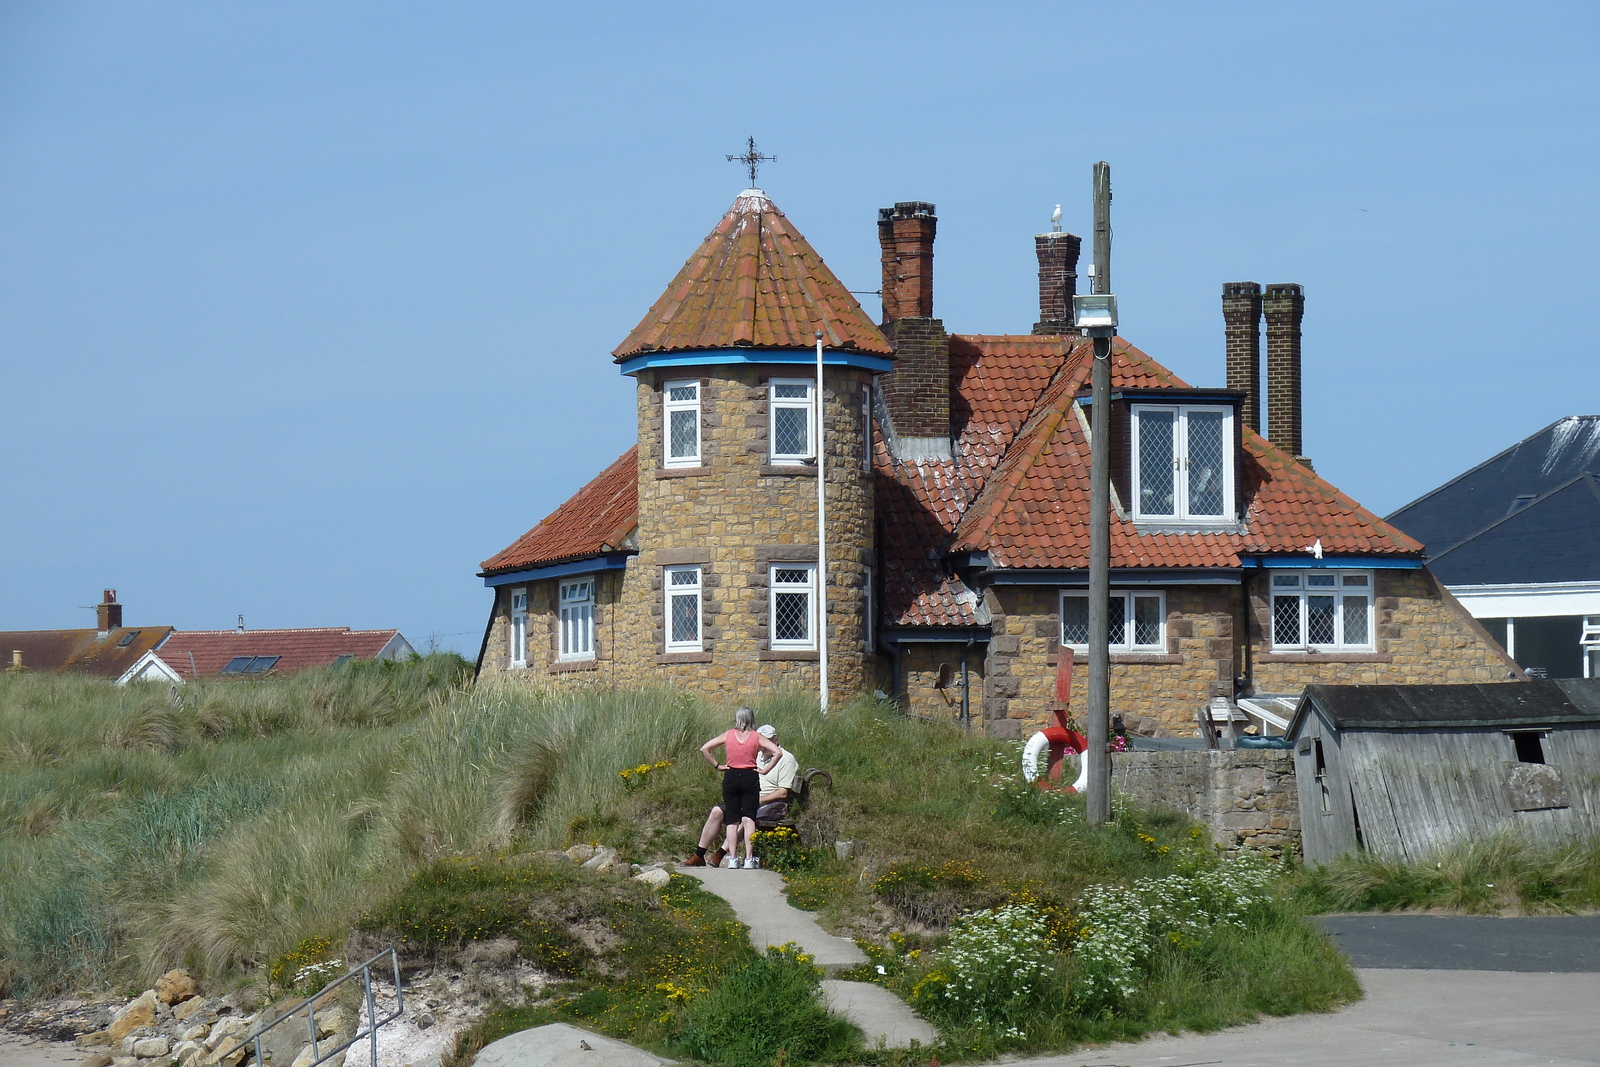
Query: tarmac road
x=1569, y=943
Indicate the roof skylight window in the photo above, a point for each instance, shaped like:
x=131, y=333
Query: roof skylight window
x=250, y=664
x=128, y=638
x=1519, y=503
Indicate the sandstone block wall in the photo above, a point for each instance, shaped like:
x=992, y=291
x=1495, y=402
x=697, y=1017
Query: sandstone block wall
x=1243, y=797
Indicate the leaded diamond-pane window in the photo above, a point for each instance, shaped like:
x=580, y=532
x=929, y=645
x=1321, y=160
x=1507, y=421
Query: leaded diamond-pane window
x=683, y=609
x=792, y=608
x=1135, y=621
x=1183, y=463
x=1322, y=610
x=682, y=404
x=792, y=415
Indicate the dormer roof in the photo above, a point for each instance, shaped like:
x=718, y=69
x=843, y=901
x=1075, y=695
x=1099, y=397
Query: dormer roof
x=754, y=282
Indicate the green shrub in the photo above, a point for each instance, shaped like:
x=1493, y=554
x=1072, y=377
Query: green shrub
x=780, y=849
x=771, y=1004
x=997, y=969
x=930, y=893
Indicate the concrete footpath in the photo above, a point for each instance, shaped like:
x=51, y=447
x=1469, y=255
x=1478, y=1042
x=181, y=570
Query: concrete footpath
x=1409, y=1018
x=757, y=899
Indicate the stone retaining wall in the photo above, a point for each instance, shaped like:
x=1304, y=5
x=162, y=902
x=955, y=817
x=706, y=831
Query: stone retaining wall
x=1242, y=796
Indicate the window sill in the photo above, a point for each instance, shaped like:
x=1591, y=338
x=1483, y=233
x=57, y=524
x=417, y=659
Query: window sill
x=561, y=666
x=684, y=657
x=1324, y=657
x=682, y=472
x=797, y=655
x=1195, y=526
x=1122, y=657
x=787, y=470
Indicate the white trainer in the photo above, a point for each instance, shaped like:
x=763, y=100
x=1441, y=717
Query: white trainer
x=753, y=863
x=733, y=863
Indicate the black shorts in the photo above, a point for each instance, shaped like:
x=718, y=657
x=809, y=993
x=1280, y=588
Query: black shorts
x=741, y=793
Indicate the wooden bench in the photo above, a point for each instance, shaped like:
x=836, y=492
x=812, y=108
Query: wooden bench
x=804, y=785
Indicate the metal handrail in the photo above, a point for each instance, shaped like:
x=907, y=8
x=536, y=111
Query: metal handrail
x=364, y=972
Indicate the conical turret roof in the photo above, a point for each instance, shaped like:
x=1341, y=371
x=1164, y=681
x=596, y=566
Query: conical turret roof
x=755, y=282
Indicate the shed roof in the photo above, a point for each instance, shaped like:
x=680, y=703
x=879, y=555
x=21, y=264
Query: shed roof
x=1433, y=707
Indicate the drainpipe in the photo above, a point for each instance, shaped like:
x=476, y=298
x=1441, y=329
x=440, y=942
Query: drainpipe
x=966, y=705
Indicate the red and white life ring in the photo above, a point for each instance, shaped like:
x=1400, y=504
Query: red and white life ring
x=1056, y=741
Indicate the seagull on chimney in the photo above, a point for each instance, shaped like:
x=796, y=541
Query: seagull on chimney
x=1315, y=549
x=1055, y=219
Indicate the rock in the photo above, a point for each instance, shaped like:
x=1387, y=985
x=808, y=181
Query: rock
x=125, y=1061
x=332, y=1021
x=150, y=1048
x=99, y=1037
x=604, y=859
x=140, y=1012
x=306, y=1058
x=184, y=1009
x=187, y=1050
x=581, y=853
x=842, y=849
x=425, y=1020
x=174, y=986
x=656, y=878
x=195, y=1033
x=226, y=1027
x=101, y=1060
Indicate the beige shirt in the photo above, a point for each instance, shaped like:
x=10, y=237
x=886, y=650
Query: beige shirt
x=783, y=774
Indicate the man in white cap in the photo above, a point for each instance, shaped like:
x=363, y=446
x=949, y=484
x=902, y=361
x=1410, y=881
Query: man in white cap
x=778, y=777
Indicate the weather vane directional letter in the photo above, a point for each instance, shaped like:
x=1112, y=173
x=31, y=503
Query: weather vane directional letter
x=752, y=159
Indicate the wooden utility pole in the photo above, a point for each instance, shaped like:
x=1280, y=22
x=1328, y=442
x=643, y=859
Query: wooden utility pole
x=1099, y=766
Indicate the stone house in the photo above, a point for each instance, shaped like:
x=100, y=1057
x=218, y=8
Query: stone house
x=956, y=474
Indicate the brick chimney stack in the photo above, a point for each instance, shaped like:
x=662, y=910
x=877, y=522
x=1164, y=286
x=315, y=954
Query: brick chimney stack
x=1058, y=280
x=917, y=391
x=1285, y=306
x=1241, y=317
x=108, y=613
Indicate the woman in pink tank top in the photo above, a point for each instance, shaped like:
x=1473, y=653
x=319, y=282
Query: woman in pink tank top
x=741, y=787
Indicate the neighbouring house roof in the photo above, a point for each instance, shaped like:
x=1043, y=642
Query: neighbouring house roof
x=754, y=282
x=81, y=651
x=204, y=653
x=1018, y=485
x=595, y=520
x=1530, y=514
x=1432, y=707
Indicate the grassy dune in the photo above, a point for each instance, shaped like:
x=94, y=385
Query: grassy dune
x=227, y=830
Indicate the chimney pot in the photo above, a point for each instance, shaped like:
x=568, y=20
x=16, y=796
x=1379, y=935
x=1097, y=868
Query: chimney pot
x=1241, y=317
x=1284, y=306
x=905, y=235
x=108, y=613
x=16, y=659
x=1058, y=280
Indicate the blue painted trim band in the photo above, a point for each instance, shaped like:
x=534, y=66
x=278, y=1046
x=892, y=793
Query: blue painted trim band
x=703, y=357
x=1307, y=563
x=558, y=570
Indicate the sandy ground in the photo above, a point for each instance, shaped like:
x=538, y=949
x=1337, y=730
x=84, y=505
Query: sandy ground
x=18, y=1050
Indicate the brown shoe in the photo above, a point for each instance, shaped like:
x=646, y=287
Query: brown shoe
x=715, y=859
x=695, y=860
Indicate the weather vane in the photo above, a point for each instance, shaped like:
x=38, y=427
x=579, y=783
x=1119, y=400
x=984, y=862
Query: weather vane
x=752, y=159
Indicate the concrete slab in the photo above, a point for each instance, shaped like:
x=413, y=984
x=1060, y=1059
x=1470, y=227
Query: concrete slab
x=883, y=1017
x=758, y=900
x=1468, y=942
x=1409, y=1018
x=560, y=1045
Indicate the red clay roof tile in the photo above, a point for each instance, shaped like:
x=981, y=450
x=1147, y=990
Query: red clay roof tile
x=754, y=282
x=206, y=652
x=596, y=519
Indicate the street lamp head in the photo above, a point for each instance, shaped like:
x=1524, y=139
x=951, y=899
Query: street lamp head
x=1095, y=314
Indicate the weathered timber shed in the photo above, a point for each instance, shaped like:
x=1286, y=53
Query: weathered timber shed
x=1405, y=770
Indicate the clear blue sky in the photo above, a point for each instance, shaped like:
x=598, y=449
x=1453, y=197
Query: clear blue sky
x=305, y=309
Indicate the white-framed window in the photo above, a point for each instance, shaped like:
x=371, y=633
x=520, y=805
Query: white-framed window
x=1136, y=620
x=1322, y=609
x=576, y=611
x=1589, y=642
x=519, y=627
x=683, y=608
x=1182, y=463
x=681, y=423
x=791, y=415
x=793, y=606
